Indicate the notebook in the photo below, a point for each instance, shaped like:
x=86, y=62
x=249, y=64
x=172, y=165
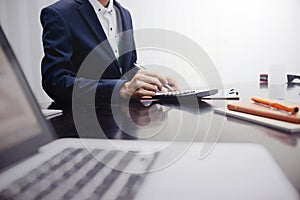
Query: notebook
x=268, y=122
x=35, y=165
x=264, y=111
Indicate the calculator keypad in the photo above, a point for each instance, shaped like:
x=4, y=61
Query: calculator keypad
x=176, y=94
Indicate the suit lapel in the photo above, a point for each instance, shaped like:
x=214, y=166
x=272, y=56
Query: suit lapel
x=128, y=40
x=125, y=25
x=91, y=18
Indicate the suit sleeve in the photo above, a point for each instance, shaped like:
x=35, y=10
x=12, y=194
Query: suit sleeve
x=58, y=75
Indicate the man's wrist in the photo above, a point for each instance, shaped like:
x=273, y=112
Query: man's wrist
x=124, y=91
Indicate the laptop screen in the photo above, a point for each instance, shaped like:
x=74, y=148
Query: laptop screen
x=23, y=129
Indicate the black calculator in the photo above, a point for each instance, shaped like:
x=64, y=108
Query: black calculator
x=185, y=93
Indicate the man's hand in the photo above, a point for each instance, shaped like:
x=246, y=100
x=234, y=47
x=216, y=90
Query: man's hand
x=144, y=83
x=173, y=84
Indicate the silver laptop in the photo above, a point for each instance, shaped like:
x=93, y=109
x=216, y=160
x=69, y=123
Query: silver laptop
x=35, y=165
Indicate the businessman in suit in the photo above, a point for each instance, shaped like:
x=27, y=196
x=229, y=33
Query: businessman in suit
x=71, y=30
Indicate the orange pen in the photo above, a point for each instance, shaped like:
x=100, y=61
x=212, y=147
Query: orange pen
x=292, y=110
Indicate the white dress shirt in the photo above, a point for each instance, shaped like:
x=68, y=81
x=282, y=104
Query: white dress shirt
x=111, y=22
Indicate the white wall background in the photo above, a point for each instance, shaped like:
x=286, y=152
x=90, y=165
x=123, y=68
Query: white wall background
x=21, y=23
x=243, y=37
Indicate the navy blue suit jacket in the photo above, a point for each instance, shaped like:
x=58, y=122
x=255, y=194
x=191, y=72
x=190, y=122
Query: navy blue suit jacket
x=71, y=30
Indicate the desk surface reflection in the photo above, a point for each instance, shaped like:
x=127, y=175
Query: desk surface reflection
x=192, y=123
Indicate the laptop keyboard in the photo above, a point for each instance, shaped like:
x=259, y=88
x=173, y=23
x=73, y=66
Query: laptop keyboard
x=77, y=174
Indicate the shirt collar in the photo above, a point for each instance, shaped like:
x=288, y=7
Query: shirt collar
x=99, y=8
